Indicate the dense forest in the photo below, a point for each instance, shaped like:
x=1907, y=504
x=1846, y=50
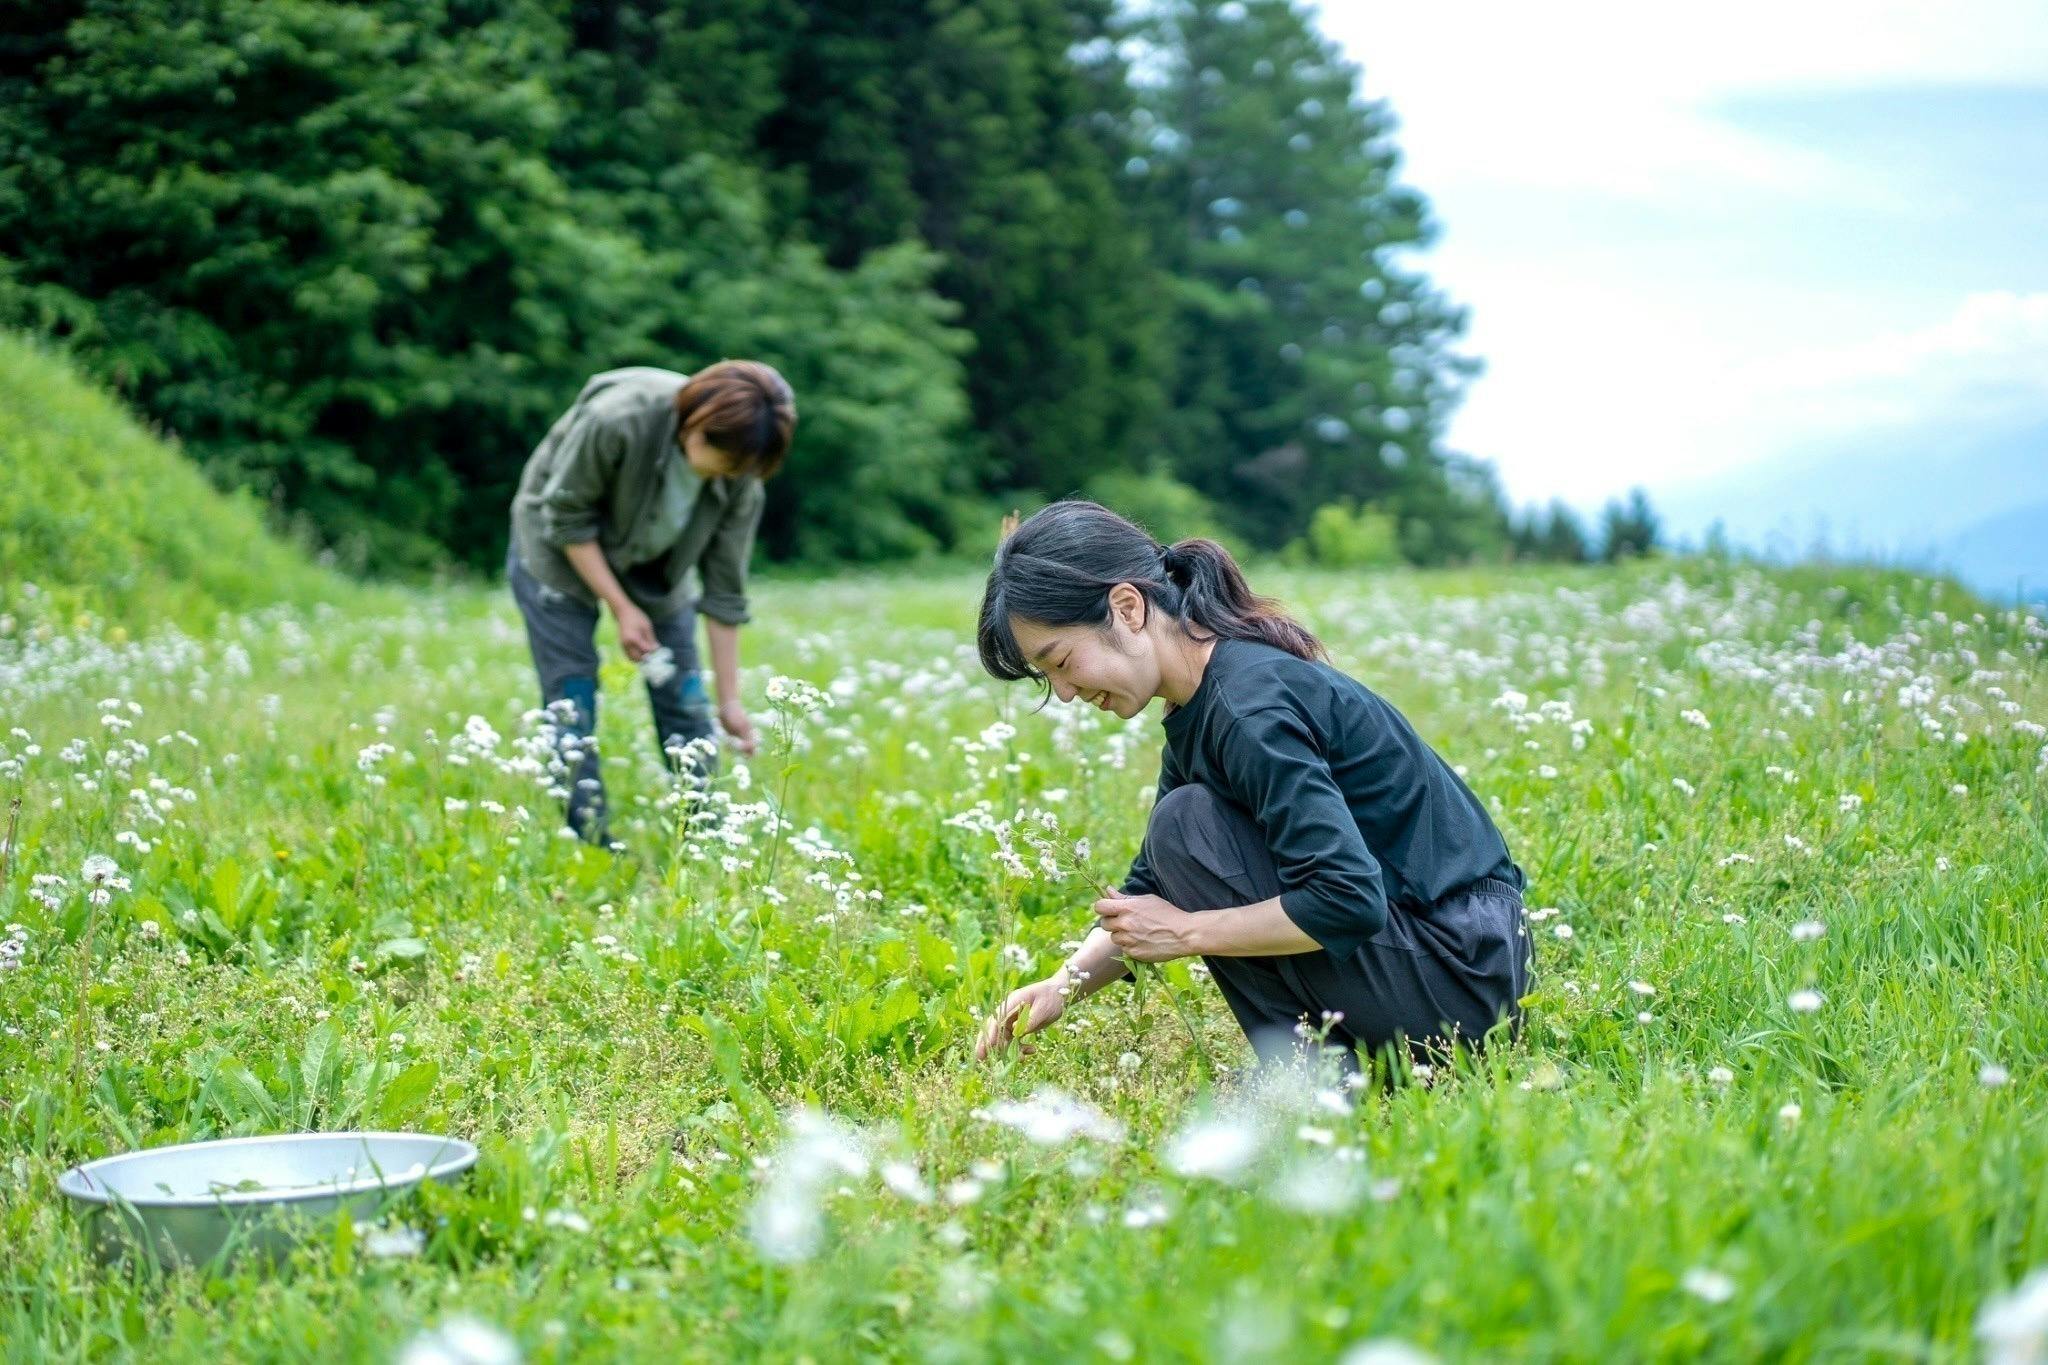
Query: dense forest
x=358, y=255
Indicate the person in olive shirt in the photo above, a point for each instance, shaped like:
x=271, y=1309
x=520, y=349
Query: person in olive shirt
x=1321, y=858
x=650, y=475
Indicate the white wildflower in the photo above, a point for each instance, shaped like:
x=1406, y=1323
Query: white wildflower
x=1149, y=1213
x=1052, y=1116
x=461, y=1341
x=1710, y=1286
x=1319, y=1185
x=1386, y=1351
x=2014, y=1326
x=903, y=1180
x=1214, y=1149
x=382, y=1243
x=658, y=665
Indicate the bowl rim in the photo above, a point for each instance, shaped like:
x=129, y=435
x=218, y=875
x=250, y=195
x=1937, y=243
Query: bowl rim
x=74, y=1183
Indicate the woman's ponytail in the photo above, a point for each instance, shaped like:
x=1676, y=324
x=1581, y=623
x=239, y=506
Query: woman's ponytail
x=1058, y=567
x=1216, y=600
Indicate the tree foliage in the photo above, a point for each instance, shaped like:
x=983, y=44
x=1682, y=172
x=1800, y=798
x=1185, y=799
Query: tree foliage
x=358, y=256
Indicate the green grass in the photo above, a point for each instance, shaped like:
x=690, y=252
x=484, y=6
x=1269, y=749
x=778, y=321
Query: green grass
x=98, y=516
x=625, y=1038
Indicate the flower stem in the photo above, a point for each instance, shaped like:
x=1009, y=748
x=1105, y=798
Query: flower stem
x=84, y=1006
x=7, y=850
x=1137, y=970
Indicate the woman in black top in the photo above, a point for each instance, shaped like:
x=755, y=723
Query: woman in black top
x=1323, y=861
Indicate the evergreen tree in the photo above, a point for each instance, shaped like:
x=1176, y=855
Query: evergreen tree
x=968, y=125
x=333, y=247
x=1311, y=364
x=1628, y=530
x=1552, y=533
x=359, y=255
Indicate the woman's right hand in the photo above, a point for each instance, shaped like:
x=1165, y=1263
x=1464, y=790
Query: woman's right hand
x=1029, y=1009
x=636, y=632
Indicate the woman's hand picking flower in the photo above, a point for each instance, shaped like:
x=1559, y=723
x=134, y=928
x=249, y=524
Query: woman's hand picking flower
x=732, y=717
x=1029, y=1009
x=1147, y=928
x=636, y=631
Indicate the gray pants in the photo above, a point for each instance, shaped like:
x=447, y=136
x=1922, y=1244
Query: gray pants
x=1429, y=978
x=562, y=632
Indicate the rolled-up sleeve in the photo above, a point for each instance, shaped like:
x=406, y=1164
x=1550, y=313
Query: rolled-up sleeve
x=723, y=567
x=585, y=465
x=1330, y=881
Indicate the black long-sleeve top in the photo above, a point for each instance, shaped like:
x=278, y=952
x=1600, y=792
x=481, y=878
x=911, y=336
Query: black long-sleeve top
x=1358, y=811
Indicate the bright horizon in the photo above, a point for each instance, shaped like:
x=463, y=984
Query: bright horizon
x=1697, y=261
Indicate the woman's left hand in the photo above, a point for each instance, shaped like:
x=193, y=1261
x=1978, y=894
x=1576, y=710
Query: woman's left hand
x=1146, y=928
x=733, y=717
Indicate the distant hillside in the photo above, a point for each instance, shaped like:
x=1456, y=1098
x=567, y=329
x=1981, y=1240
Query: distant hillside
x=2003, y=554
x=99, y=516
x=1970, y=499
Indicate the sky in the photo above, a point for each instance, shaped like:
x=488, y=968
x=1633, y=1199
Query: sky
x=1784, y=264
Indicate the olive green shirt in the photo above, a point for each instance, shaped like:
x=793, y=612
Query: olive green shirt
x=610, y=470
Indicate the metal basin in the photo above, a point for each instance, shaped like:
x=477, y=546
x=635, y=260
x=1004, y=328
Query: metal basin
x=202, y=1202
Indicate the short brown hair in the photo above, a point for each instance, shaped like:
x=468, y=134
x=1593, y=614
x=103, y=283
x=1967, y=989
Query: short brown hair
x=744, y=408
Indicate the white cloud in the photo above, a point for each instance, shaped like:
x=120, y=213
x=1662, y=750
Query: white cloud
x=1649, y=283
x=1995, y=343
x=1890, y=441
x=1617, y=95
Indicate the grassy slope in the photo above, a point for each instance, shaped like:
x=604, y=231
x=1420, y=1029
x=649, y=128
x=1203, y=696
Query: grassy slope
x=99, y=516
x=622, y=1042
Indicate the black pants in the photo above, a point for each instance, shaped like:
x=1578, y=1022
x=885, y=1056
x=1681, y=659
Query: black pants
x=562, y=632
x=1429, y=979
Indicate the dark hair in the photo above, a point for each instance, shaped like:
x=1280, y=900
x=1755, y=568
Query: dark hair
x=742, y=407
x=1058, y=568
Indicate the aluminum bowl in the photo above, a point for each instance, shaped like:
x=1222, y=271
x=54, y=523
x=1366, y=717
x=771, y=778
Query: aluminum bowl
x=202, y=1202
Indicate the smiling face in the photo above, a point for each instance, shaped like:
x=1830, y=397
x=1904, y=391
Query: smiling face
x=1114, y=667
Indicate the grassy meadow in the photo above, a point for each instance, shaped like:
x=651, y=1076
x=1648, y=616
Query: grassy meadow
x=1780, y=1095
x=724, y=1083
